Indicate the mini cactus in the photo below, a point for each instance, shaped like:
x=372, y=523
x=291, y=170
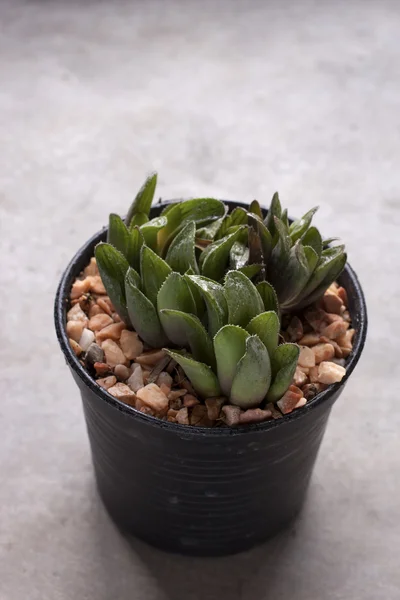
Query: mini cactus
x=209, y=287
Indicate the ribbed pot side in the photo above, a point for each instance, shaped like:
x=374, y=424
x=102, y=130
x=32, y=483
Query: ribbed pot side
x=201, y=491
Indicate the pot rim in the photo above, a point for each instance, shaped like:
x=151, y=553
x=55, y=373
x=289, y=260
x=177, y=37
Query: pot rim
x=61, y=299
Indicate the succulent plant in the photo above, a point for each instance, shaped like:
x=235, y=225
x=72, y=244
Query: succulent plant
x=205, y=285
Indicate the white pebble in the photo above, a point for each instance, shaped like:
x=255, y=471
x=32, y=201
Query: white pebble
x=86, y=339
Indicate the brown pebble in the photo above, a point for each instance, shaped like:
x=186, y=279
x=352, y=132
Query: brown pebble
x=317, y=318
x=122, y=392
x=75, y=347
x=295, y=330
x=309, y=339
x=346, y=340
x=337, y=348
x=77, y=314
x=290, y=399
x=164, y=378
x=150, y=358
x=96, y=285
x=214, y=406
x=231, y=415
x=147, y=410
x=95, y=310
x=276, y=414
x=122, y=372
x=182, y=416
x=300, y=378
x=107, y=382
x=113, y=353
x=174, y=394
x=323, y=352
x=343, y=296
x=335, y=329
x=255, y=415
x=332, y=303
x=92, y=268
x=79, y=287
x=190, y=400
x=152, y=396
x=101, y=368
x=313, y=375
x=74, y=329
x=111, y=332
x=105, y=304
x=176, y=403
x=100, y=321
x=164, y=388
x=131, y=344
x=198, y=416
x=306, y=357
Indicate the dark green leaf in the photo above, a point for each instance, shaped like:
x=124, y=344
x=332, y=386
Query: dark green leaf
x=144, y=198
x=295, y=276
x=210, y=231
x=214, y=297
x=113, y=267
x=264, y=235
x=181, y=253
x=198, y=340
x=285, y=219
x=269, y=297
x=214, y=258
x=128, y=242
x=175, y=294
x=237, y=217
x=151, y=229
x=255, y=208
x=253, y=376
x=154, y=272
x=251, y=270
x=266, y=326
x=229, y=346
x=138, y=220
x=275, y=210
x=200, y=375
x=283, y=363
x=243, y=300
x=312, y=238
x=334, y=269
x=299, y=227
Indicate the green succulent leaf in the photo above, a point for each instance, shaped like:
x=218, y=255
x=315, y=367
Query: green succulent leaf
x=142, y=313
x=169, y=206
x=175, y=294
x=255, y=208
x=283, y=364
x=238, y=256
x=209, y=232
x=285, y=220
x=312, y=237
x=128, y=242
x=264, y=236
x=256, y=254
x=266, y=326
x=331, y=264
x=154, y=272
x=269, y=297
x=214, y=298
x=150, y=231
x=329, y=241
x=197, y=296
x=275, y=210
x=292, y=280
x=253, y=375
x=144, y=198
x=181, y=253
x=200, y=375
x=113, y=267
x=251, y=270
x=243, y=300
x=214, y=258
x=138, y=220
x=332, y=272
x=280, y=255
x=234, y=219
x=298, y=228
x=198, y=340
x=199, y=210
x=229, y=347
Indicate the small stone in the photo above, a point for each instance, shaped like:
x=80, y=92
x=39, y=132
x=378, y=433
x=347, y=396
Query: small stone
x=323, y=352
x=337, y=348
x=332, y=303
x=74, y=329
x=102, y=369
x=300, y=378
x=75, y=347
x=86, y=339
x=309, y=339
x=164, y=378
x=152, y=396
x=310, y=390
x=92, y=268
x=276, y=414
x=147, y=410
x=295, y=330
x=94, y=310
x=198, y=416
x=339, y=361
x=230, y=415
x=121, y=372
x=214, y=406
x=306, y=357
x=135, y=380
x=94, y=354
x=174, y=394
x=171, y=414
x=182, y=416
x=99, y=321
x=335, y=329
x=317, y=318
x=165, y=389
x=176, y=403
x=130, y=344
x=122, y=392
x=188, y=386
x=105, y=304
x=107, y=382
x=329, y=372
x=116, y=317
x=302, y=402
x=84, y=302
x=255, y=415
x=343, y=296
x=346, y=340
x=289, y=400
x=96, y=285
x=150, y=358
x=113, y=353
x=190, y=400
x=77, y=314
x=111, y=332
x=313, y=375
x=79, y=287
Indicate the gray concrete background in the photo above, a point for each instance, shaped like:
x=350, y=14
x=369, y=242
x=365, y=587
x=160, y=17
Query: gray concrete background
x=234, y=99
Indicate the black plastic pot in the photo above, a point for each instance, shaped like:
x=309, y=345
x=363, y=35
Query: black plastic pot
x=194, y=490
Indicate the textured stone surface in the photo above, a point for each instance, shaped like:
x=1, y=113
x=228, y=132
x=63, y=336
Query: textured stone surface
x=235, y=99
